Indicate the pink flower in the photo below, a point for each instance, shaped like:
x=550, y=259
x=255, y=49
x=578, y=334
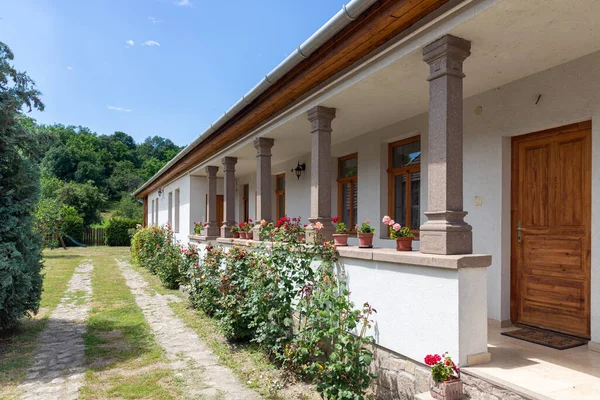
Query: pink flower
x=368, y=221
x=386, y=219
x=318, y=226
x=391, y=222
x=396, y=227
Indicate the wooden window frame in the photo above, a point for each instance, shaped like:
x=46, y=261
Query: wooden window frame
x=246, y=202
x=406, y=170
x=343, y=181
x=278, y=193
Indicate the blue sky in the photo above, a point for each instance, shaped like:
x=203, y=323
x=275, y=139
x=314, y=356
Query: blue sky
x=188, y=62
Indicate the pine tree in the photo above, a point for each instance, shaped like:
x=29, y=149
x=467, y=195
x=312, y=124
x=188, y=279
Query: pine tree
x=20, y=246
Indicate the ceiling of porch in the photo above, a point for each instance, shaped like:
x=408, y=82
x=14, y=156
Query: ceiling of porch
x=510, y=40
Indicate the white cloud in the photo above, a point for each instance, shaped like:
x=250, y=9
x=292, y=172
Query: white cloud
x=69, y=68
x=150, y=43
x=129, y=43
x=154, y=20
x=119, y=109
x=184, y=3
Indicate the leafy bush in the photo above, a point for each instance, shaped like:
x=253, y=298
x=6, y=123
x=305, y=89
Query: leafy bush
x=85, y=197
x=118, y=231
x=130, y=208
x=256, y=292
x=20, y=245
x=71, y=224
x=155, y=248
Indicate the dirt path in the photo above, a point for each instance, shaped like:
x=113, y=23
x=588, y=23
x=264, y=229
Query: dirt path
x=59, y=363
x=191, y=360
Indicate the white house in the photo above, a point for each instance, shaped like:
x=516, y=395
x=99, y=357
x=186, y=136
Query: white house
x=477, y=124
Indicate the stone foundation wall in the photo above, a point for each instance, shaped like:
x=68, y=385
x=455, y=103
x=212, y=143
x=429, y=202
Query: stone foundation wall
x=400, y=378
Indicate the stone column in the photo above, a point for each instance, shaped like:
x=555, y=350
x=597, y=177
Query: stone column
x=263, y=182
x=211, y=231
x=320, y=173
x=445, y=231
x=229, y=197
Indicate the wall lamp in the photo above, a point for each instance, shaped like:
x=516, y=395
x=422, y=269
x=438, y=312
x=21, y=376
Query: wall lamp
x=299, y=169
x=160, y=192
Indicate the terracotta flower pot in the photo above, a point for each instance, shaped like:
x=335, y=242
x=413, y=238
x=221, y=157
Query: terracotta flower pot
x=236, y=235
x=404, y=244
x=448, y=390
x=340, y=239
x=243, y=235
x=365, y=240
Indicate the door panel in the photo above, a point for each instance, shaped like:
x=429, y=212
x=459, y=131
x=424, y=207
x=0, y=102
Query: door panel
x=551, y=223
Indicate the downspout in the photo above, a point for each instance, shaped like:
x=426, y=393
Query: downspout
x=347, y=14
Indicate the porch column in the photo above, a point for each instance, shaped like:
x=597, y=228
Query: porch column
x=445, y=231
x=229, y=198
x=263, y=182
x=320, y=173
x=212, y=228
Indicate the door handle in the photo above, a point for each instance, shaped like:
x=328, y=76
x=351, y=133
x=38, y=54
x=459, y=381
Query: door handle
x=519, y=230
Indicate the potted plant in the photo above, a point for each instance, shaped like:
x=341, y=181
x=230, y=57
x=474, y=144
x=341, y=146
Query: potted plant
x=235, y=230
x=365, y=233
x=401, y=233
x=198, y=228
x=445, y=383
x=340, y=237
x=247, y=230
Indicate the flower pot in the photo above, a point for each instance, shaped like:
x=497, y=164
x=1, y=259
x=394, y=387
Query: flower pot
x=340, y=239
x=243, y=235
x=236, y=235
x=448, y=390
x=365, y=240
x=404, y=244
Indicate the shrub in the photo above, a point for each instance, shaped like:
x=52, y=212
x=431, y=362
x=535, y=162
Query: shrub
x=118, y=231
x=155, y=248
x=205, y=279
x=20, y=245
x=71, y=224
x=255, y=293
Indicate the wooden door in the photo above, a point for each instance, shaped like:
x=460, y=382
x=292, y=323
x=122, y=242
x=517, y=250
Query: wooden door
x=220, y=204
x=551, y=218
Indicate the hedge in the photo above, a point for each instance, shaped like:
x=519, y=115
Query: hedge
x=119, y=231
x=71, y=224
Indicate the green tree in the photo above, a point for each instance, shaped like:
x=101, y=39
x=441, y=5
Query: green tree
x=87, y=199
x=20, y=246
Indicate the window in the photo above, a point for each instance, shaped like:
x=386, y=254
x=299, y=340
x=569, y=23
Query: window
x=156, y=213
x=348, y=190
x=245, y=202
x=170, y=213
x=152, y=217
x=280, y=195
x=177, y=203
x=404, y=182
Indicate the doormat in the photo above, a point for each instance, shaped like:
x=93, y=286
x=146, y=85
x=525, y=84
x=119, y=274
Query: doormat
x=546, y=338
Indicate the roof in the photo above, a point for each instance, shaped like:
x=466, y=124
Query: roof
x=358, y=29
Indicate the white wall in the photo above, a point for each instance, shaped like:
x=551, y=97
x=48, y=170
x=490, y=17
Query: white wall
x=570, y=93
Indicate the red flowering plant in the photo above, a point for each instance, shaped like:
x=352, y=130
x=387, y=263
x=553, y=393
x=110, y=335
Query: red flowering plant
x=340, y=226
x=198, y=226
x=442, y=367
x=288, y=229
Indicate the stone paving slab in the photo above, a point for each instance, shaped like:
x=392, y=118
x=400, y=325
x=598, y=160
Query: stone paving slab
x=58, y=368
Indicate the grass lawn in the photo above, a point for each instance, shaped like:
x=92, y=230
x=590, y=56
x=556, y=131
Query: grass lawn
x=124, y=360
x=17, y=348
